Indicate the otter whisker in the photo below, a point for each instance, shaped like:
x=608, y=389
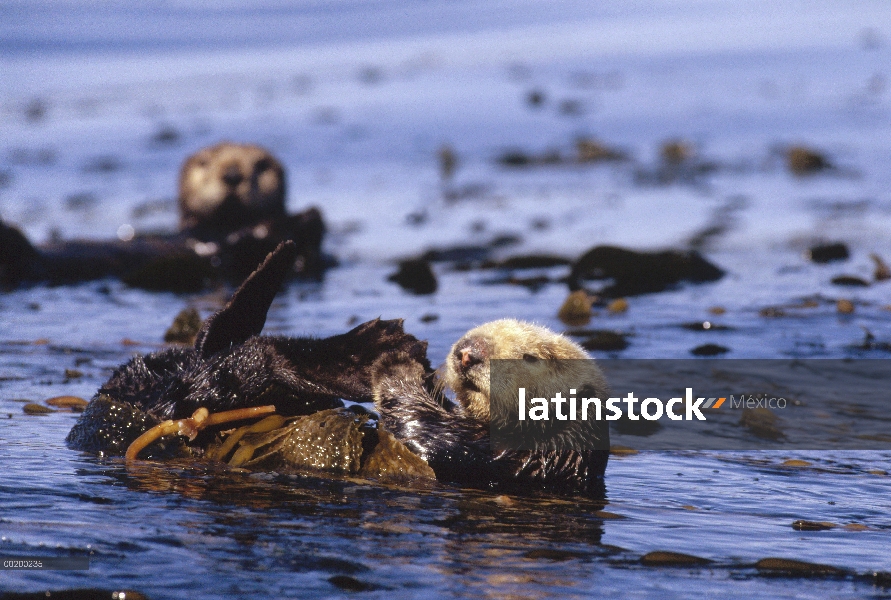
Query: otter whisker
x=190, y=426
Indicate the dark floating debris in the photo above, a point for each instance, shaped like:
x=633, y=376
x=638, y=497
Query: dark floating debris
x=576, y=309
x=850, y=281
x=593, y=151
x=679, y=162
x=184, y=328
x=535, y=97
x=869, y=343
x=36, y=409
x=167, y=135
x=806, y=161
x=448, y=162
x=664, y=558
x=677, y=152
x=429, y=318
x=72, y=403
x=588, y=151
x=528, y=261
x=617, y=306
x=796, y=568
x=761, y=422
x=521, y=158
x=882, y=271
x=825, y=253
x=553, y=554
x=601, y=339
x=103, y=164
x=36, y=110
x=457, y=254
x=81, y=201
x=533, y=281
x=633, y=273
x=350, y=584
x=709, y=350
x=516, y=158
x=845, y=307
x=415, y=276
x=571, y=107
x=371, y=75
x=802, y=525
x=533, y=284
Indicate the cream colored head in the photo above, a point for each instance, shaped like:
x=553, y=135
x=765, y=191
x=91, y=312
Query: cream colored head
x=226, y=187
x=467, y=371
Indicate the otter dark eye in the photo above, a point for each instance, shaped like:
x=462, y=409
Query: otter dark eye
x=530, y=358
x=263, y=164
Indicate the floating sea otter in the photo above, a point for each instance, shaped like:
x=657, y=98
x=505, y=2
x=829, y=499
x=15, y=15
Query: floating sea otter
x=232, y=213
x=232, y=367
x=233, y=373
x=457, y=441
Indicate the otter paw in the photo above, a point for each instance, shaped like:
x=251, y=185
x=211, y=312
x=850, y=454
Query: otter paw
x=380, y=337
x=399, y=366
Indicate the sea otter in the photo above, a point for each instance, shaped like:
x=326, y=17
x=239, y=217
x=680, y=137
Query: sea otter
x=457, y=440
x=232, y=367
x=226, y=187
x=232, y=213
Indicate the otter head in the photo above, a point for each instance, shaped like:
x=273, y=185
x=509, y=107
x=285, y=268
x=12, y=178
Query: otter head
x=229, y=186
x=467, y=368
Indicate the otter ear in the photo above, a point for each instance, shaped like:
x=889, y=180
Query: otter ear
x=245, y=314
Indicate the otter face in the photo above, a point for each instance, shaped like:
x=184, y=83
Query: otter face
x=467, y=371
x=229, y=186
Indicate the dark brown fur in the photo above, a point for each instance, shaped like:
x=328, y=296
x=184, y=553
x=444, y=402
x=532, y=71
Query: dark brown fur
x=232, y=366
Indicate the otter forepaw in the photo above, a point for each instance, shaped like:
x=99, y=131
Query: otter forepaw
x=388, y=337
x=396, y=367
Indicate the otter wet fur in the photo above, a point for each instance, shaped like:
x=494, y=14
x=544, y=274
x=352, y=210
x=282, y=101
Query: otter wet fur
x=232, y=366
x=232, y=213
x=454, y=439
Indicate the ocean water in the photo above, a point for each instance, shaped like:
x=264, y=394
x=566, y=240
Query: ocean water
x=100, y=103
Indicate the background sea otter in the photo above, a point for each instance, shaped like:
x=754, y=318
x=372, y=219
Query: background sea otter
x=226, y=187
x=232, y=214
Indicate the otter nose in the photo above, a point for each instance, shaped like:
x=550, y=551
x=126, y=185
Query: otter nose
x=232, y=176
x=469, y=358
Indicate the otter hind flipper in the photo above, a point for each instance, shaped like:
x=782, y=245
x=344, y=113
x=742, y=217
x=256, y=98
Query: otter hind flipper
x=245, y=314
